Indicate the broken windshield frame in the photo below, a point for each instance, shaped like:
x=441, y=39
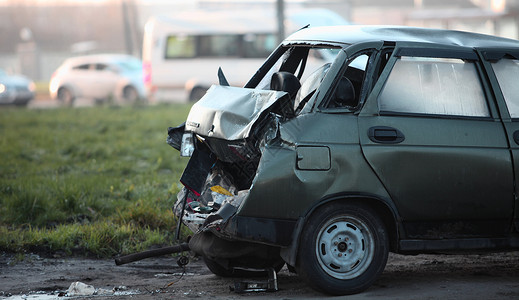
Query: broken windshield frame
x=324, y=90
x=354, y=72
x=298, y=59
x=303, y=59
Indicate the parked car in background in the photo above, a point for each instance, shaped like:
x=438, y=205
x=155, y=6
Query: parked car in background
x=103, y=77
x=408, y=142
x=15, y=89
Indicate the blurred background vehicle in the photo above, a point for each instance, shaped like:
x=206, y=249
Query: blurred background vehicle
x=37, y=36
x=182, y=52
x=116, y=78
x=15, y=89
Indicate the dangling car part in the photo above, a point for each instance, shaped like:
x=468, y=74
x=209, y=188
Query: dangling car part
x=151, y=253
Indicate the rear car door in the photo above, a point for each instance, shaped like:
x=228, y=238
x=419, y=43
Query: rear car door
x=79, y=77
x=105, y=79
x=437, y=144
x=502, y=65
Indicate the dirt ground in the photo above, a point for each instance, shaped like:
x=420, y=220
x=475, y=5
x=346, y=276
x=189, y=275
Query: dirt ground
x=475, y=276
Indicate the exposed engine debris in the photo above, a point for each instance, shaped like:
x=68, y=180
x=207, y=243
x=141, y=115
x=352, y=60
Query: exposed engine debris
x=223, y=163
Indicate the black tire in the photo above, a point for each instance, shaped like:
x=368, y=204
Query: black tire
x=343, y=250
x=217, y=269
x=65, y=96
x=130, y=94
x=222, y=271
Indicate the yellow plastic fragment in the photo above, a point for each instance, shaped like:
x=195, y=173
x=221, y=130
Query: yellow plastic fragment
x=220, y=190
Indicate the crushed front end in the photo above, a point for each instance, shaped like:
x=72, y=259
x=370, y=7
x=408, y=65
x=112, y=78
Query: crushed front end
x=224, y=136
x=258, y=159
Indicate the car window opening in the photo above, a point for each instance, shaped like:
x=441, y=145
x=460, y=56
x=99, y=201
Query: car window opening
x=436, y=86
x=299, y=71
x=347, y=92
x=506, y=71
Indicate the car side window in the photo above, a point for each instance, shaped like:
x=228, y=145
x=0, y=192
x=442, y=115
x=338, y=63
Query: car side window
x=101, y=67
x=82, y=67
x=436, y=86
x=506, y=71
x=348, y=89
x=309, y=86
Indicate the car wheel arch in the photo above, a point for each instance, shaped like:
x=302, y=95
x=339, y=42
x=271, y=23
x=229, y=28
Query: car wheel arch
x=383, y=207
x=68, y=87
x=130, y=88
x=197, y=92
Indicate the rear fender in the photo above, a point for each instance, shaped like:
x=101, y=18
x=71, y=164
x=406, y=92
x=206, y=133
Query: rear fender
x=384, y=207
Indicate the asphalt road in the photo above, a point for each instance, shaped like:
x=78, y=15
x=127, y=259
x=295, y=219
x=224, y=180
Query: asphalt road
x=457, y=277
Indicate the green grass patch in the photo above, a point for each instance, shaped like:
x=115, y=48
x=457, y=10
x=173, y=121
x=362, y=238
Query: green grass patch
x=102, y=239
x=97, y=180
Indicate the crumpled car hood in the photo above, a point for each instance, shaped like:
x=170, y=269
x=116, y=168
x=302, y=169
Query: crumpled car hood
x=229, y=112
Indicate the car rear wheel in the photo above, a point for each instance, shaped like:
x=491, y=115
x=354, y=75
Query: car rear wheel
x=130, y=94
x=65, y=97
x=344, y=248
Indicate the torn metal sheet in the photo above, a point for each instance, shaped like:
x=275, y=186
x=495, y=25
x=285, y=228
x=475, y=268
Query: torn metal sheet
x=229, y=112
x=196, y=171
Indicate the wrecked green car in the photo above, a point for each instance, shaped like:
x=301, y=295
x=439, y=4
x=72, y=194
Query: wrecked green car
x=350, y=142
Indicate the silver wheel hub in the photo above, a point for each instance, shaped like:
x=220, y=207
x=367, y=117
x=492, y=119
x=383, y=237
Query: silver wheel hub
x=345, y=247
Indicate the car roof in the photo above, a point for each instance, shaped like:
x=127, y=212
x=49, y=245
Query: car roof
x=97, y=58
x=352, y=34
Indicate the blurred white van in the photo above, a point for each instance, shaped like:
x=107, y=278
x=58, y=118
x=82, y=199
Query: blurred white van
x=182, y=53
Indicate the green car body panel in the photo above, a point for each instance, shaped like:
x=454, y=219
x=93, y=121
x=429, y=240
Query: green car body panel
x=280, y=178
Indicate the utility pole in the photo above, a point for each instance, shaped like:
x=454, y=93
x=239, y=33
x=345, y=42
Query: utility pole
x=280, y=9
x=126, y=27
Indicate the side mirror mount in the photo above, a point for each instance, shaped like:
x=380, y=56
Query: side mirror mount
x=221, y=78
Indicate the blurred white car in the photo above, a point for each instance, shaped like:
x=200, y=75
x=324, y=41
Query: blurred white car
x=103, y=77
x=15, y=89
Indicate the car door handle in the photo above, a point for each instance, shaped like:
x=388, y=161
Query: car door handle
x=385, y=135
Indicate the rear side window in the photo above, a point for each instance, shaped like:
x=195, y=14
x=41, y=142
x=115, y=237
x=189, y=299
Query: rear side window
x=180, y=47
x=101, y=67
x=436, y=86
x=82, y=67
x=507, y=72
x=220, y=45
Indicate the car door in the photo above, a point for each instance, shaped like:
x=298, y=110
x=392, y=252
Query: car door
x=80, y=78
x=105, y=79
x=502, y=65
x=437, y=144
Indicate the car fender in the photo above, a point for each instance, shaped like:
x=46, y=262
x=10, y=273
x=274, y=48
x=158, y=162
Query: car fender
x=119, y=88
x=385, y=206
x=196, y=87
